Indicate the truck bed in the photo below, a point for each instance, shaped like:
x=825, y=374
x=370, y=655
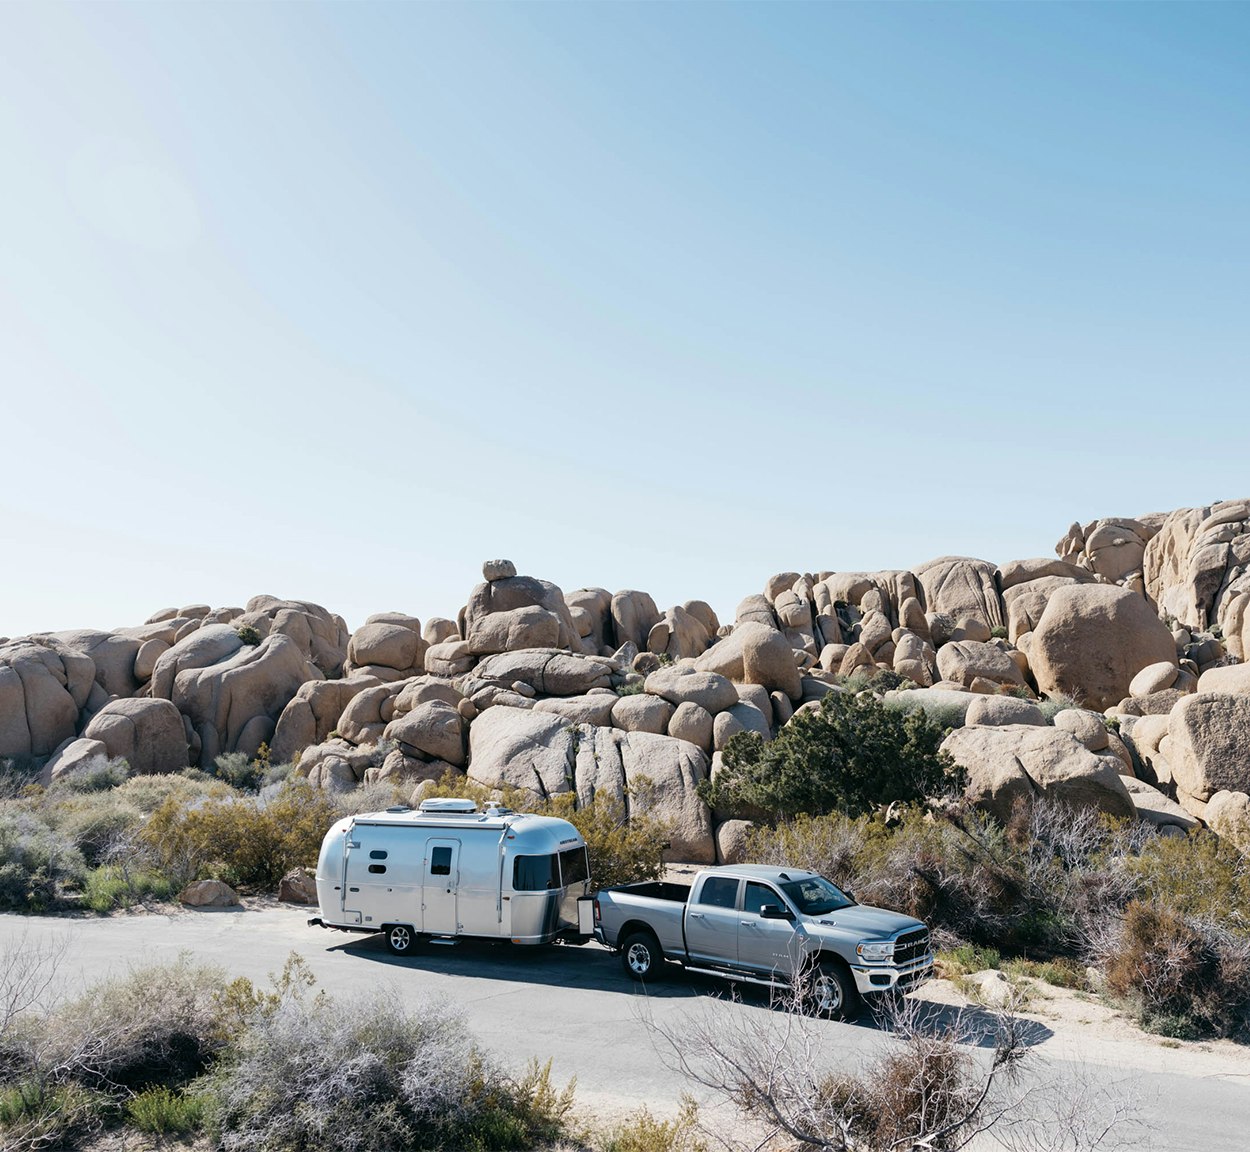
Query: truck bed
x=657, y=890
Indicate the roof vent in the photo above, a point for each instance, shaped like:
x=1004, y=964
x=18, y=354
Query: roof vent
x=449, y=804
x=400, y=808
x=497, y=808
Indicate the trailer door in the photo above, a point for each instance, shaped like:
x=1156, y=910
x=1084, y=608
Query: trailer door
x=440, y=883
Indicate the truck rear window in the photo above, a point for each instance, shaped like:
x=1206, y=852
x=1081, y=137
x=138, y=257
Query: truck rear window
x=535, y=873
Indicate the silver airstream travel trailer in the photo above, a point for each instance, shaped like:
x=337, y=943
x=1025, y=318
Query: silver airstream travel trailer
x=449, y=870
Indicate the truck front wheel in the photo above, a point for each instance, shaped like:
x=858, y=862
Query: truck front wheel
x=401, y=939
x=640, y=954
x=831, y=992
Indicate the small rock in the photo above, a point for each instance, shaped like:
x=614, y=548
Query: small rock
x=493, y=570
x=208, y=894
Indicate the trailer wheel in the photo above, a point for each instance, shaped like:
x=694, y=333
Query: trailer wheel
x=641, y=956
x=400, y=939
x=831, y=992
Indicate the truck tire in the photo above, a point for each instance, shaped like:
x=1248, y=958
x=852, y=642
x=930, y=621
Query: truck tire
x=831, y=992
x=641, y=956
x=400, y=939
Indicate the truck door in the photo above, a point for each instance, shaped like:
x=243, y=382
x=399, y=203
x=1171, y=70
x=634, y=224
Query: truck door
x=767, y=946
x=712, y=921
x=439, y=884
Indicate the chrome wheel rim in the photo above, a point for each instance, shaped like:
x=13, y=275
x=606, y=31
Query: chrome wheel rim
x=400, y=939
x=828, y=993
x=639, y=959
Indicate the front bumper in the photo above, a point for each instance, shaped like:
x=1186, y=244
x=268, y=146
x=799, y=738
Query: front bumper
x=882, y=978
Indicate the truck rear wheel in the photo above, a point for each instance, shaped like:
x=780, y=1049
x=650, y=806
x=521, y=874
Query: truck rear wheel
x=400, y=939
x=831, y=992
x=641, y=956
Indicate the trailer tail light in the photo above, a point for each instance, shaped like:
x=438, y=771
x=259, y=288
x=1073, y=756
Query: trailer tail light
x=598, y=913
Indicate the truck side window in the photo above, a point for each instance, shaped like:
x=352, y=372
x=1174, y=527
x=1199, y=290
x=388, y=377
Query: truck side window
x=535, y=874
x=757, y=896
x=440, y=862
x=719, y=891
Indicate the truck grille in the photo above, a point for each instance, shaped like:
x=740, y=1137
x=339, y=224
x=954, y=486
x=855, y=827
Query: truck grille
x=911, y=946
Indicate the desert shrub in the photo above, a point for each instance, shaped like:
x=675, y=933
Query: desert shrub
x=123, y=886
x=243, y=840
x=1055, y=703
x=249, y=635
x=852, y=755
x=148, y=793
x=368, y=1074
x=165, y=1112
x=998, y=632
x=623, y=848
x=1183, y=978
x=97, y=775
x=37, y=1115
x=17, y=774
x=1201, y=876
x=97, y=825
x=239, y=772
x=642, y=1132
x=965, y=959
x=877, y=680
x=159, y=1025
x=37, y=861
x=374, y=797
x=1062, y=972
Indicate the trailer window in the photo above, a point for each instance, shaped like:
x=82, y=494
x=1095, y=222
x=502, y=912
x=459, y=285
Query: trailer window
x=377, y=869
x=535, y=874
x=377, y=854
x=440, y=861
x=574, y=867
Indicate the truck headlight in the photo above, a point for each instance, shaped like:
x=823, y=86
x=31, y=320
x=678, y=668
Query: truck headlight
x=876, y=953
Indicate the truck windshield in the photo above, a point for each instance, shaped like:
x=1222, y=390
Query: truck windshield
x=814, y=896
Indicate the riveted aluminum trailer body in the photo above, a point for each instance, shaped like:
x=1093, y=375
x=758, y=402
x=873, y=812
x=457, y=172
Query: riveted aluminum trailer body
x=450, y=870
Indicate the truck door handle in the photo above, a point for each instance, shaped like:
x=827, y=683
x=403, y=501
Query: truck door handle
x=746, y=923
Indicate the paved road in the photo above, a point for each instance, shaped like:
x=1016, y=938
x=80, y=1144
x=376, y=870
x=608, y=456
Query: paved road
x=575, y=1006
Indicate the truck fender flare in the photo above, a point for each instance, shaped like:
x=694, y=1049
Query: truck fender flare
x=630, y=927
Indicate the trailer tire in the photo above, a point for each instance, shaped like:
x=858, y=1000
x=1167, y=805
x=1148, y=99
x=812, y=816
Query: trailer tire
x=400, y=939
x=831, y=991
x=641, y=956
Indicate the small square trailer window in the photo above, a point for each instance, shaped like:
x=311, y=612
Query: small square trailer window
x=440, y=862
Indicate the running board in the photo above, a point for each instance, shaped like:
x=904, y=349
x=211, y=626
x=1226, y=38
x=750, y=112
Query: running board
x=739, y=977
x=448, y=941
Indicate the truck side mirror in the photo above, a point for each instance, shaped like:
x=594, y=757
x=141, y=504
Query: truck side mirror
x=776, y=912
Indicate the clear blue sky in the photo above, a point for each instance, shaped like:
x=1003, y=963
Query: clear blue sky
x=337, y=302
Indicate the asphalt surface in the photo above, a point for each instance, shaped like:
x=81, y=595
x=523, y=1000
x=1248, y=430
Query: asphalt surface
x=575, y=1006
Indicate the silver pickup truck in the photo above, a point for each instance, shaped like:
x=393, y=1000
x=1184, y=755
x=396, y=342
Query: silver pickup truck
x=781, y=927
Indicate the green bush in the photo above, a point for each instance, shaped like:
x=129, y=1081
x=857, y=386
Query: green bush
x=121, y=886
x=38, y=861
x=249, y=635
x=642, y=1132
x=1201, y=876
x=37, y=1115
x=249, y=841
x=851, y=756
x=164, y=1112
x=237, y=770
